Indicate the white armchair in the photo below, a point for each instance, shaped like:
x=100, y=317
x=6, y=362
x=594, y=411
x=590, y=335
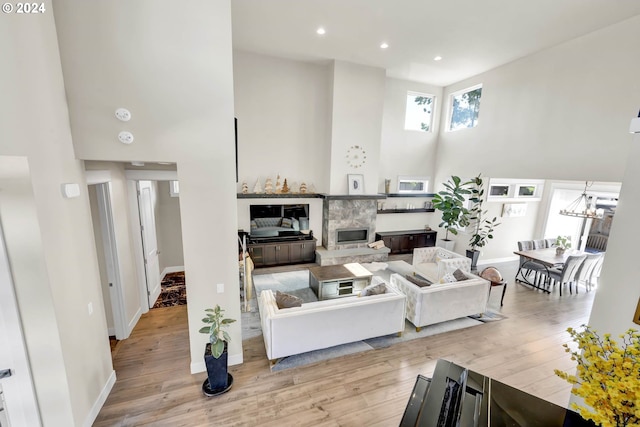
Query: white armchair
x=433, y=262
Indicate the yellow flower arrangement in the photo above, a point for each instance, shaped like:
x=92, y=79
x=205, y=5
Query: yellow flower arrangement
x=608, y=377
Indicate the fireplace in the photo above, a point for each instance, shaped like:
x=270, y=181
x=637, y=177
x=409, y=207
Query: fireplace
x=352, y=235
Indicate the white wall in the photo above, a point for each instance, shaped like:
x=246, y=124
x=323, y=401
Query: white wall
x=55, y=269
x=618, y=291
x=406, y=152
x=168, y=228
x=173, y=70
x=281, y=107
x=548, y=116
x=356, y=119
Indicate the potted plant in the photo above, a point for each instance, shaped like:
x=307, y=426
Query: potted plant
x=215, y=352
x=450, y=202
x=482, y=227
x=562, y=244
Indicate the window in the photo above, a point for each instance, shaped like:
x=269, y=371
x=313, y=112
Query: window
x=413, y=184
x=465, y=107
x=419, y=111
x=174, y=189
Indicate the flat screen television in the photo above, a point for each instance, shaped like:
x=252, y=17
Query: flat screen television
x=296, y=211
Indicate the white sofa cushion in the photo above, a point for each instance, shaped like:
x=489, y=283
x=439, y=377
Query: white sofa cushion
x=328, y=323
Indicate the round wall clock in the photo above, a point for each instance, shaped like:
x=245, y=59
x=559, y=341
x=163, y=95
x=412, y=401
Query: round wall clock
x=356, y=156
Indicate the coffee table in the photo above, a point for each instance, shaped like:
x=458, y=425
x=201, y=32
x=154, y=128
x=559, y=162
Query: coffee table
x=338, y=281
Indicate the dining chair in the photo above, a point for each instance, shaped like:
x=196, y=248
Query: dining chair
x=568, y=273
x=585, y=271
x=539, y=244
x=550, y=243
x=527, y=266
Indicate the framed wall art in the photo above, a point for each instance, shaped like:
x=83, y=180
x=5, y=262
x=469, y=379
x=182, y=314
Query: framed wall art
x=514, y=209
x=355, y=183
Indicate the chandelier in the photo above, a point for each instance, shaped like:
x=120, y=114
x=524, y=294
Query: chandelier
x=583, y=206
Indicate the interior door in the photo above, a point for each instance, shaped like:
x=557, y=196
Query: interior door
x=146, y=198
x=18, y=406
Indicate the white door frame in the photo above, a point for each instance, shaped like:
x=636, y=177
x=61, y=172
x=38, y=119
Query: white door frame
x=103, y=192
x=17, y=390
x=132, y=177
x=102, y=180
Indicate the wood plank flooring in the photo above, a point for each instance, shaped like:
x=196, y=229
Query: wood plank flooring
x=154, y=386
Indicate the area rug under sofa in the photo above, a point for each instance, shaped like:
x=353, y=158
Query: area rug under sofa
x=297, y=283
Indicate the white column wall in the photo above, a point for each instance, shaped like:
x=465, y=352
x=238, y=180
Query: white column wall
x=53, y=257
x=356, y=119
x=282, y=108
x=173, y=70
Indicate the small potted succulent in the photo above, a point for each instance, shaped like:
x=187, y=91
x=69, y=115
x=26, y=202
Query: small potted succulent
x=215, y=352
x=562, y=244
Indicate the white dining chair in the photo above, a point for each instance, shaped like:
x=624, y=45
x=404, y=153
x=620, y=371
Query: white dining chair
x=568, y=273
x=586, y=269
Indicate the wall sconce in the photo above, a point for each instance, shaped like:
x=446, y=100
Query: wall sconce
x=125, y=137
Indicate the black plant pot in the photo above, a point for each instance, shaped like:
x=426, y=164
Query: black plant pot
x=216, y=369
x=474, y=258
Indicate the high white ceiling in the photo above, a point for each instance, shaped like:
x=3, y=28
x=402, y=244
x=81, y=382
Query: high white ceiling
x=472, y=36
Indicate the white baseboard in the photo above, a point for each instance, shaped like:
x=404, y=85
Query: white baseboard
x=95, y=409
x=168, y=270
x=199, y=366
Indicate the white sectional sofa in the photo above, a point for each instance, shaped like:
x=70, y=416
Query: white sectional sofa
x=443, y=301
x=328, y=323
x=433, y=262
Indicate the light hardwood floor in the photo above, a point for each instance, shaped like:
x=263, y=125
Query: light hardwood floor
x=154, y=386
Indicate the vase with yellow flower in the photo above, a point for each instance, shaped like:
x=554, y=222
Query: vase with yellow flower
x=607, y=377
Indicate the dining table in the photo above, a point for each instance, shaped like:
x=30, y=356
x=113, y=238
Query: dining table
x=547, y=257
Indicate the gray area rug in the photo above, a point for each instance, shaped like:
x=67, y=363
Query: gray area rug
x=297, y=283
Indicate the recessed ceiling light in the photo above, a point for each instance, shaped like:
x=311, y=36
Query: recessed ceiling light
x=321, y=31
x=437, y=58
x=137, y=163
x=384, y=46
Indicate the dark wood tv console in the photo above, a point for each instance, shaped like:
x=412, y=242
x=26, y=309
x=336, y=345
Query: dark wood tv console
x=270, y=251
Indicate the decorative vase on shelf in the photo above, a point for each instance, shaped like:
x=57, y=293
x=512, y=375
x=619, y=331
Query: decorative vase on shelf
x=387, y=186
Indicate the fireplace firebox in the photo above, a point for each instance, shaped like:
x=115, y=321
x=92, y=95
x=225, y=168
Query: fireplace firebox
x=352, y=235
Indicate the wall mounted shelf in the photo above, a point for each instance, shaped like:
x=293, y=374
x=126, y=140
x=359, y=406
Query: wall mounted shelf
x=391, y=211
x=409, y=194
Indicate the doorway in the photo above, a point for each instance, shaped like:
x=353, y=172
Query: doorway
x=604, y=196
x=18, y=404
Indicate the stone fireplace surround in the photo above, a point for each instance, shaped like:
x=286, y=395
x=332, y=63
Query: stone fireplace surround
x=349, y=212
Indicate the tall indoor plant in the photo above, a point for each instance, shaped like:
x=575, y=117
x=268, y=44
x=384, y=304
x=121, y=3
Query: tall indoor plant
x=482, y=226
x=450, y=202
x=215, y=352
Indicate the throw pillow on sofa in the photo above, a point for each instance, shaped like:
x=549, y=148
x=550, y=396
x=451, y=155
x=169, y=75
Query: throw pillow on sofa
x=440, y=255
x=374, y=289
x=459, y=275
x=287, y=223
x=287, y=301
